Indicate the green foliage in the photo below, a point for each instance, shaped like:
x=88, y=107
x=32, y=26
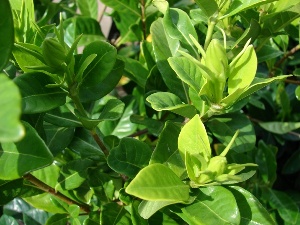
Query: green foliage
x=187, y=114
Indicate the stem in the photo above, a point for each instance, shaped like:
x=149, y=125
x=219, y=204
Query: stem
x=210, y=29
x=99, y=142
x=143, y=18
x=44, y=187
x=138, y=133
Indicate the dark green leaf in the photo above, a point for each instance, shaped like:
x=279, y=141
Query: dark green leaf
x=58, y=219
x=224, y=127
x=36, y=97
x=213, y=205
x=267, y=52
x=208, y=7
x=129, y=157
x=17, y=155
x=10, y=100
x=7, y=31
x=112, y=110
x=292, y=165
x=10, y=190
x=62, y=117
x=114, y=214
x=252, y=212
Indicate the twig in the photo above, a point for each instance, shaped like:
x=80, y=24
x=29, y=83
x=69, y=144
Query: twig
x=138, y=133
x=99, y=142
x=44, y=187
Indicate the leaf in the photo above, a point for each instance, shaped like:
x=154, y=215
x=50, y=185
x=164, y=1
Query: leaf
x=112, y=110
x=10, y=100
x=101, y=66
x=166, y=151
x=135, y=71
x=251, y=210
x=114, y=214
x=149, y=185
x=208, y=7
x=165, y=47
x=17, y=155
x=259, y=83
x=10, y=190
x=187, y=71
x=8, y=220
x=265, y=157
x=280, y=127
x=239, y=6
x=58, y=219
x=213, y=205
x=154, y=126
x=73, y=174
x=88, y=8
x=7, y=31
x=168, y=101
x=36, y=97
x=148, y=208
x=287, y=208
x=292, y=165
x=267, y=52
x=224, y=127
x=62, y=117
x=241, y=75
x=129, y=157
x=193, y=139
x=98, y=90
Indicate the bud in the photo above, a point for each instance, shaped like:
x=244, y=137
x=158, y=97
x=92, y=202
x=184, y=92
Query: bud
x=54, y=53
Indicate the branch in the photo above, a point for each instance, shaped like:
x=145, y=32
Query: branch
x=99, y=142
x=44, y=187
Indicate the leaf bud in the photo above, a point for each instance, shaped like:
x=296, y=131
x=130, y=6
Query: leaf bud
x=54, y=53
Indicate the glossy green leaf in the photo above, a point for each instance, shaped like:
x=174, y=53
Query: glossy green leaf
x=267, y=52
x=292, y=165
x=127, y=13
x=8, y=220
x=224, y=127
x=166, y=151
x=135, y=71
x=114, y=214
x=287, y=208
x=135, y=215
x=280, y=127
x=238, y=6
x=297, y=93
x=237, y=80
x=148, y=208
x=208, y=7
x=62, y=117
x=193, y=139
x=98, y=90
x=149, y=185
x=7, y=31
x=251, y=210
x=36, y=97
x=73, y=174
x=168, y=101
x=213, y=205
x=259, y=83
x=129, y=157
x=162, y=52
x=265, y=157
x=88, y=8
x=187, y=71
x=10, y=100
x=58, y=219
x=93, y=219
x=112, y=110
x=17, y=155
x=101, y=66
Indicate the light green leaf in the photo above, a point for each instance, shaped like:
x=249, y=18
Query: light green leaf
x=224, y=127
x=259, y=83
x=149, y=185
x=10, y=100
x=165, y=47
x=241, y=75
x=213, y=205
x=280, y=127
x=193, y=139
x=73, y=174
x=148, y=208
x=88, y=8
x=129, y=157
x=209, y=7
x=113, y=110
x=166, y=151
x=287, y=208
x=238, y=6
x=36, y=97
x=187, y=71
x=251, y=210
x=58, y=219
x=168, y=101
x=7, y=31
x=16, y=156
x=297, y=93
